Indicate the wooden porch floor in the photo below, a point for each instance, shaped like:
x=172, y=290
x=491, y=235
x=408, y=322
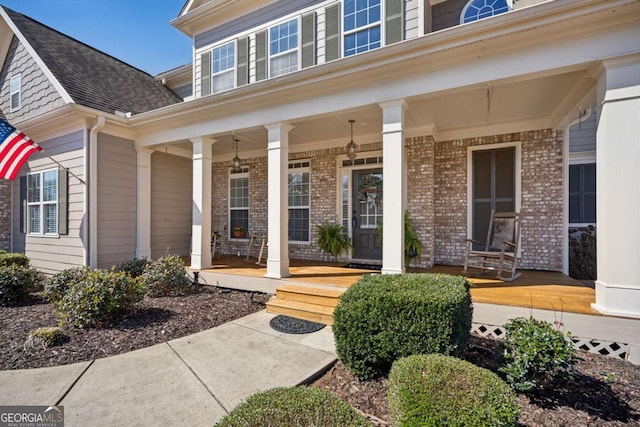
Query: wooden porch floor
x=533, y=289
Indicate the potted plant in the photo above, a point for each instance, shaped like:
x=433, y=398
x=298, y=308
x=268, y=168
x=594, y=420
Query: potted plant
x=238, y=232
x=412, y=243
x=332, y=239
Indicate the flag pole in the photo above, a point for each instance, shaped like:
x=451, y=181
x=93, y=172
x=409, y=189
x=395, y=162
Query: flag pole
x=63, y=167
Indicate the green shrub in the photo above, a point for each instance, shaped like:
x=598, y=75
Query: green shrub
x=437, y=390
x=7, y=259
x=134, y=267
x=296, y=406
x=385, y=317
x=16, y=282
x=57, y=285
x=44, y=337
x=166, y=276
x=99, y=296
x=535, y=353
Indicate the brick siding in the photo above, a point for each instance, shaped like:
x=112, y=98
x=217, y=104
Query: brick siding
x=436, y=196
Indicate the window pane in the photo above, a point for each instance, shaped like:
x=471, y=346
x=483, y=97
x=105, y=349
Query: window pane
x=50, y=186
x=34, y=219
x=239, y=218
x=284, y=37
x=299, y=189
x=223, y=58
x=33, y=188
x=239, y=193
x=284, y=64
x=479, y=9
x=299, y=225
x=222, y=82
x=51, y=218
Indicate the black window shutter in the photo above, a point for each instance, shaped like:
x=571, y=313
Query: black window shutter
x=243, y=61
x=205, y=74
x=23, y=204
x=394, y=21
x=261, y=55
x=308, y=40
x=63, y=201
x=332, y=32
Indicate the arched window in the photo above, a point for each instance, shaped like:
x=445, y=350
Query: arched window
x=479, y=9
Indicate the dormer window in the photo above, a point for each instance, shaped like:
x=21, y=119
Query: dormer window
x=362, y=28
x=480, y=9
x=224, y=61
x=283, y=48
x=15, y=87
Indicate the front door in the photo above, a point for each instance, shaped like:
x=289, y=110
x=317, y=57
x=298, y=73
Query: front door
x=367, y=214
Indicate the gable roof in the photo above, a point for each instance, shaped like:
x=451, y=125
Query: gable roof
x=93, y=78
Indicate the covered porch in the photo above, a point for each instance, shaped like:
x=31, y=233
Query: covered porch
x=544, y=290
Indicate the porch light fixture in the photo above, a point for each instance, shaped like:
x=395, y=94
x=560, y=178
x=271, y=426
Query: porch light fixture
x=351, y=146
x=235, y=163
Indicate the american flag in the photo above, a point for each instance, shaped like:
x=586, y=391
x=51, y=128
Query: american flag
x=15, y=148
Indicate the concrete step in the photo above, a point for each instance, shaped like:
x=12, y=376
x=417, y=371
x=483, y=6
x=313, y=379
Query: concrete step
x=301, y=310
x=309, y=295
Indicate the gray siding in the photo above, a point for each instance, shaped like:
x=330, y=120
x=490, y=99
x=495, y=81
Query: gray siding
x=446, y=14
x=116, y=200
x=582, y=136
x=53, y=254
x=171, y=205
x=38, y=94
x=251, y=20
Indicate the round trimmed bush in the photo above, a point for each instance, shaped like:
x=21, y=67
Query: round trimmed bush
x=98, y=297
x=385, y=317
x=17, y=282
x=295, y=406
x=57, y=285
x=166, y=276
x=437, y=390
x=7, y=259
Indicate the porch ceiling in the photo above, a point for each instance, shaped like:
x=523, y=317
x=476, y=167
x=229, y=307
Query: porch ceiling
x=492, y=107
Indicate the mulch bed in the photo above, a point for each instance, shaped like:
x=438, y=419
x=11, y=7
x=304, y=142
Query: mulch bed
x=155, y=320
x=605, y=391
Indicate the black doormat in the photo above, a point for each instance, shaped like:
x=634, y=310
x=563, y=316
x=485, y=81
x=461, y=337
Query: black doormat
x=291, y=325
x=375, y=267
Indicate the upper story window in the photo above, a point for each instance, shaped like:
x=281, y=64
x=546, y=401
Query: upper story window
x=362, y=26
x=480, y=9
x=283, y=48
x=224, y=62
x=15, y=87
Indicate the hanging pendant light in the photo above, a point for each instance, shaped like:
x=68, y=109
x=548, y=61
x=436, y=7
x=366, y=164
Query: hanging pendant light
x=235, y=163
x=351, y=146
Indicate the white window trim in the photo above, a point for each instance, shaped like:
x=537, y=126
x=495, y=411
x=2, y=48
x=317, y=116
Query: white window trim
x=248, y=208
x=232, y=70
x=42, y=203
x=355, y=30
x=306, y=169
x=518, y=177
x=466, y=6
x=17, y=77
x=298, y=50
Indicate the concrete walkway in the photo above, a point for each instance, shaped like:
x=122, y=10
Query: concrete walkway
x=194, y=380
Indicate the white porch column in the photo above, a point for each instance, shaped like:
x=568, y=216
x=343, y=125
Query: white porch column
x=393, y=187
x=201, y=216
x=278, y=215
x=143, y=199
x=617, y=188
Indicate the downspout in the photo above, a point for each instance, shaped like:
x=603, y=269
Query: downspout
x=12, y=205
x=92, y=190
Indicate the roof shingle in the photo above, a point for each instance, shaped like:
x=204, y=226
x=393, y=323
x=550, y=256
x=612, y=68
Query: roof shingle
x=93, y=78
